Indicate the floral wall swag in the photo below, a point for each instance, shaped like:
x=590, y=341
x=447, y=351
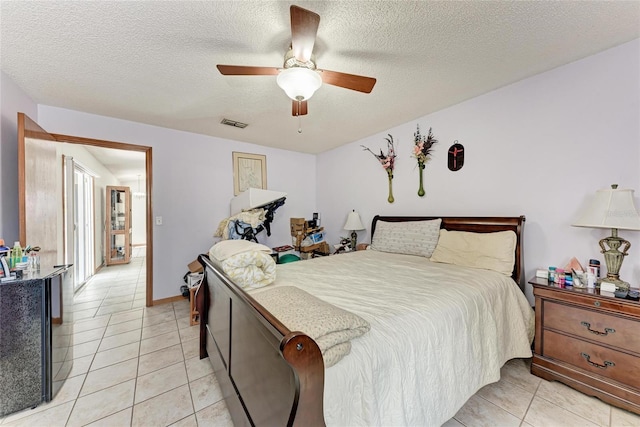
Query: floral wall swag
x=421, y=151
x=388, y=163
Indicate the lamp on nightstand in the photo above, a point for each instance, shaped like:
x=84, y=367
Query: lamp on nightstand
x=353, y=223
x=612, y=208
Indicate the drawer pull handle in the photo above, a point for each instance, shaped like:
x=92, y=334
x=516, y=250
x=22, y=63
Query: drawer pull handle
x=605, y=366
x=606, y=332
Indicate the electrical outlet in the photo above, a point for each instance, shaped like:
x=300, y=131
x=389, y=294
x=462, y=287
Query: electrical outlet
x=158, y=220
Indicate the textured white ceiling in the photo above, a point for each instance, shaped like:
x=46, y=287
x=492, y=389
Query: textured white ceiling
x=125, y=165
x=154, y=61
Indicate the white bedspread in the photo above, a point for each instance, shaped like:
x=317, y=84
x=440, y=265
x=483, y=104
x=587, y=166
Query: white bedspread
x=438, y=334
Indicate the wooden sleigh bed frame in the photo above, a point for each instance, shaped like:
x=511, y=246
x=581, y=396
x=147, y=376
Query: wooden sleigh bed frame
x=269, y=375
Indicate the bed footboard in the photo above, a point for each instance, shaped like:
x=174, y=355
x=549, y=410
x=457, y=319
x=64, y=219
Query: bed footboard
x=268, y=374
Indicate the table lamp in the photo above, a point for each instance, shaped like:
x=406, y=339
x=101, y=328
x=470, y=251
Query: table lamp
x=612, y=208
x=353, y=223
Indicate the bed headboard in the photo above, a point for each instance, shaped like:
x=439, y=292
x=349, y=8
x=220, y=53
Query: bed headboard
x=477, y=225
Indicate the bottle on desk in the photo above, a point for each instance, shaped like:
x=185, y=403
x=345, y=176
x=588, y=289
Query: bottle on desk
x=16, y=254
x=595, y=264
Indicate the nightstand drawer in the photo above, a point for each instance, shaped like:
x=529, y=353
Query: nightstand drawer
x=593, y=358
x=606, y=329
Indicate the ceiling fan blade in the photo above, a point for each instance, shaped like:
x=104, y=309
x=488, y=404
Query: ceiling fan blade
x=242, y=70
x=304, y=27
x=348, y=81
x=303, y=108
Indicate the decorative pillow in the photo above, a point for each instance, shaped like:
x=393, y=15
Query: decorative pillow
x=490, y=251
x=227, y=248
x=408, y=237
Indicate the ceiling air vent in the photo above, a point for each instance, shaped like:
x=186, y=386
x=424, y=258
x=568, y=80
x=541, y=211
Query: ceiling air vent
x=234, y=123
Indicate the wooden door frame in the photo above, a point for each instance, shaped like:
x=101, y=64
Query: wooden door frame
x=28, y=128
x=149, y=181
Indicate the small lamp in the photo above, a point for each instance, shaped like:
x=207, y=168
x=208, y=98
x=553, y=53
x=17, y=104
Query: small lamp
x=612, y=208
x=353, y=223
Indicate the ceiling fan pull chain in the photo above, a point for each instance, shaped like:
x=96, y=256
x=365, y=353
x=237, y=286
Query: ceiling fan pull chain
x=298, y=114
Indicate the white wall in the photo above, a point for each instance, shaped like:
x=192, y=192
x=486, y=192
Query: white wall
x=193, y=184
x=540, y=147
x=138, y=212
x=12, y=100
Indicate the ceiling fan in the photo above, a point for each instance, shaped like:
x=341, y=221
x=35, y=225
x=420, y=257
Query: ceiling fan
x=299, y=77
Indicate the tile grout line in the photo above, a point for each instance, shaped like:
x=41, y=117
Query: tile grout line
x=102, y=300
x=568, y=409
x=535, y=393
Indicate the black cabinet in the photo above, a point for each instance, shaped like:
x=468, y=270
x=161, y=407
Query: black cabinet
x=36, y=338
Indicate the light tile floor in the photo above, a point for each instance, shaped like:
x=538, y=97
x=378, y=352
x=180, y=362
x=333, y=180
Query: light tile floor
x=522, y=399
x=138, y=366
x=133, y=366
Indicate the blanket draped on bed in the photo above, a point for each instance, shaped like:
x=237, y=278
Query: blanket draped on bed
x=330, y=327
x=249, y=270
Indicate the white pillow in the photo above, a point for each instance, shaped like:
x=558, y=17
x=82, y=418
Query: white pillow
x=407, y=237
x=490, y=251
x=228, y=248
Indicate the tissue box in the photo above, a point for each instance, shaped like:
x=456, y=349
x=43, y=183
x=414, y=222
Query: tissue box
x=607, y=287
x=542, y=273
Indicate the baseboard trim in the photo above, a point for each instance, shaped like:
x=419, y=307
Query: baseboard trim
x=167, y=300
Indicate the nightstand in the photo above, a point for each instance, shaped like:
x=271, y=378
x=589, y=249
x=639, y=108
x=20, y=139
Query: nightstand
x=588, y=341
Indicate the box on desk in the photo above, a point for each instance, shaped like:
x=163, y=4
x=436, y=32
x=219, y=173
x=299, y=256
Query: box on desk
x=195, y=267
x=317, y=237
x=321, y=248
x=298, y=228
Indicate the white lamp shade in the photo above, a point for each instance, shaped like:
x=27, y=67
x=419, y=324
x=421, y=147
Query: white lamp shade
x=611, y=208
x=299, y=82
x=353, y=222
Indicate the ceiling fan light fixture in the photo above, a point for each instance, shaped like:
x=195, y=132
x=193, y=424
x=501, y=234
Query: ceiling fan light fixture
x=299, y=83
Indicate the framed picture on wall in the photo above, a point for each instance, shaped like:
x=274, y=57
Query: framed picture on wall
x=249, y=171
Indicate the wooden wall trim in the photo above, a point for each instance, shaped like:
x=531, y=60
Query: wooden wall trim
x=150, y=222
x=99, y=142
x=167, y=300
x=149, y=189
x=22, y=209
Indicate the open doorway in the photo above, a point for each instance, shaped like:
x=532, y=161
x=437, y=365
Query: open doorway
x=40, y=198
x=128, y=166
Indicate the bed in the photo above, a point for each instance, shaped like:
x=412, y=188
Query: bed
x=438, y=333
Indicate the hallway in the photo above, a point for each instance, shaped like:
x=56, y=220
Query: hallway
x=114, y=289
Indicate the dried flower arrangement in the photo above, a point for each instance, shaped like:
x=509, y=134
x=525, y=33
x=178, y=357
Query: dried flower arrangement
x=421, y=151
x=388, y=162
